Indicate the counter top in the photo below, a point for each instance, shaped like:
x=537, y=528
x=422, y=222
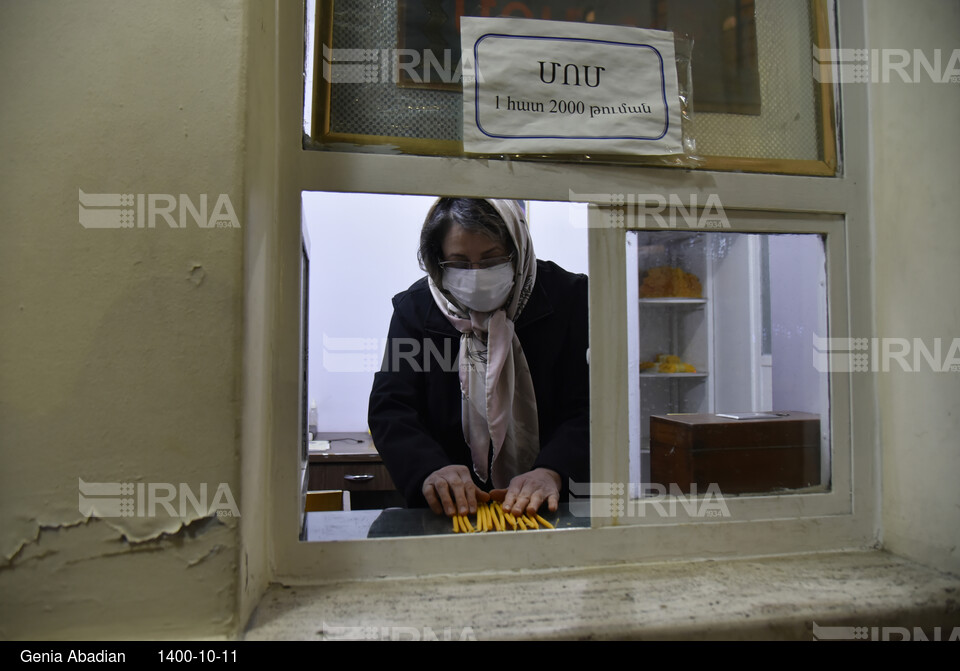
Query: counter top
x=394, y=522
x=342, y=446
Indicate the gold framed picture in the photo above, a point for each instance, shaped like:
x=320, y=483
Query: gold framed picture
x=390, y=81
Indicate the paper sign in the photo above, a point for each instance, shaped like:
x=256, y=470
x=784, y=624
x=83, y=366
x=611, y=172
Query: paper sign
x=547, y=87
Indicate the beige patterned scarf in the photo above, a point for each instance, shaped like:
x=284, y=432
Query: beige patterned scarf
x=499, y=406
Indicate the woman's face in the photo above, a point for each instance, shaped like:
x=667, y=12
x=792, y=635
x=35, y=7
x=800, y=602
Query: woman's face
x=470, y=247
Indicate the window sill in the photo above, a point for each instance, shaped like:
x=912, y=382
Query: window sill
x=763, y=598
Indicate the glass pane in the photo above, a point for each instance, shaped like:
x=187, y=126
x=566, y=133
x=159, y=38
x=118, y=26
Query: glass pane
x=788, y=122
x=726, y=391
x=359, y=481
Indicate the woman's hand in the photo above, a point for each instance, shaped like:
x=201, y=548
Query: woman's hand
x=450, y=491
x=528, y=491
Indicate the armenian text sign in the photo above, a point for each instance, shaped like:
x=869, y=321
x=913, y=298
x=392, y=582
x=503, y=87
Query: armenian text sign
x=553, y=87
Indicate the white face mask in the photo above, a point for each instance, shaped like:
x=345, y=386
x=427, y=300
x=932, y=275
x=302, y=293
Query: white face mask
x=480, y=289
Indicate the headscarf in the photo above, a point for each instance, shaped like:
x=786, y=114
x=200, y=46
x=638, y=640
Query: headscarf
x=498, y=406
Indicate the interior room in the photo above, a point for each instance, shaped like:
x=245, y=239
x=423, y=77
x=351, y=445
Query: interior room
x=346, y=345
x=180, y=356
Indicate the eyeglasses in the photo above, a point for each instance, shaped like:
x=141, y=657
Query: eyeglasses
x=482, y=264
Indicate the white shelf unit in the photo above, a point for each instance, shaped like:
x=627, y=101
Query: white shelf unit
x=720, y=333
x=678, y=326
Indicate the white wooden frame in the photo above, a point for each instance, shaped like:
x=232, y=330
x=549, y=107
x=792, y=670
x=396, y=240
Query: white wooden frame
x=846, y=517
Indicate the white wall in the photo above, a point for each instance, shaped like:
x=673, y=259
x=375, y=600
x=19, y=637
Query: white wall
x=559, y=232
x=916, y=200
x=798, y=311
x=363, y=251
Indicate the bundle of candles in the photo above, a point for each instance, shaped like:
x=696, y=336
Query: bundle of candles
x=492, y=517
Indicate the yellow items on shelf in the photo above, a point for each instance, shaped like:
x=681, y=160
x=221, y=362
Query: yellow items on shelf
x=667, y=363
x=670, y=282
x=676, y=368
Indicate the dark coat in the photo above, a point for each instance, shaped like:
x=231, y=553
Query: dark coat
x=414, y=411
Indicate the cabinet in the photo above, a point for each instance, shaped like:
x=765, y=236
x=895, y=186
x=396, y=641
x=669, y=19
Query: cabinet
x=349, y=462
x=764, y=454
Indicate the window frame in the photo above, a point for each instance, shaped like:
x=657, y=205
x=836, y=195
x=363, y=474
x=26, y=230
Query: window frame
x=846, y=517
x=826, y=165
x=609, y=369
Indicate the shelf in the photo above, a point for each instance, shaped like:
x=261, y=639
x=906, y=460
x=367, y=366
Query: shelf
x=669, y=237
x=674, y=302
x=675, y=375
x=669, y=315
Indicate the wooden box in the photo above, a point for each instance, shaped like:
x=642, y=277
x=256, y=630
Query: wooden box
x=739, y=455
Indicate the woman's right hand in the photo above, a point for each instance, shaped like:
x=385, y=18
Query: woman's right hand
x=450, y=491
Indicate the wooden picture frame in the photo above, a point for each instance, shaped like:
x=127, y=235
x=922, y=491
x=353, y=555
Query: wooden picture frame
x=827, y=164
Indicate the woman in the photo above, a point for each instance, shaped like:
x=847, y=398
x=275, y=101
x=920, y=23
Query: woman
x=484, y=388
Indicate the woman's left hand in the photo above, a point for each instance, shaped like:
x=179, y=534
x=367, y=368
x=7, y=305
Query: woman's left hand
x=528, y=491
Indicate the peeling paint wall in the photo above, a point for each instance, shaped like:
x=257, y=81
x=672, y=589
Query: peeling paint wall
x=119, y=348
x=916, y=197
